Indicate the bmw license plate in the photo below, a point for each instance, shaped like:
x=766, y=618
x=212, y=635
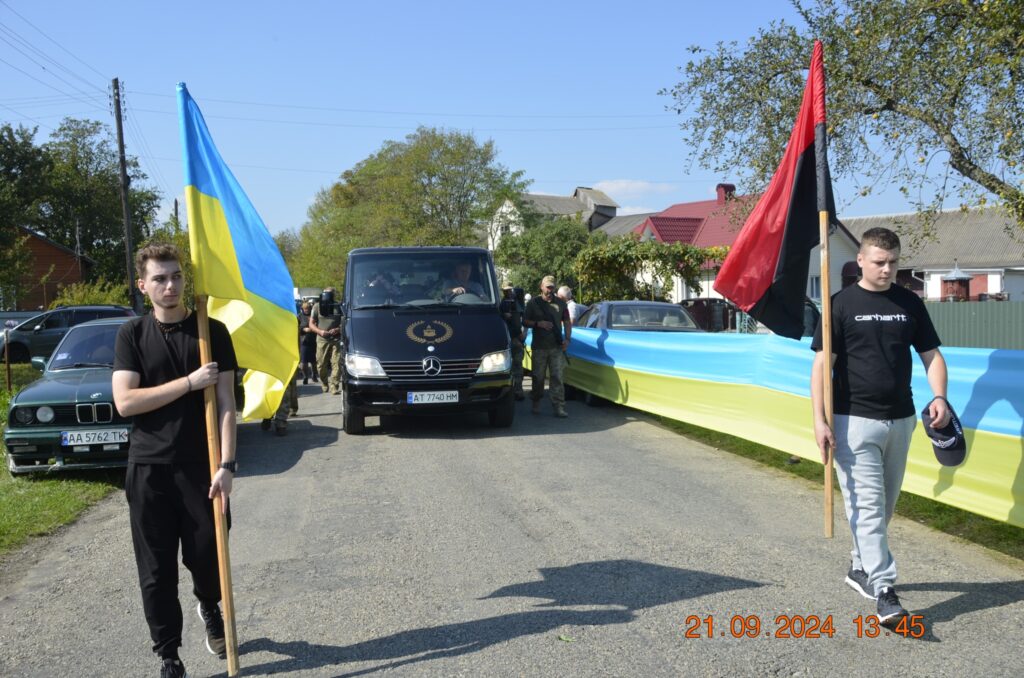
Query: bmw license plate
x=427, y=397
x=103, y=437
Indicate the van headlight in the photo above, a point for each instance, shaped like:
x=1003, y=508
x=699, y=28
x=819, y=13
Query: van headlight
x=363, y=366
x=499, y=361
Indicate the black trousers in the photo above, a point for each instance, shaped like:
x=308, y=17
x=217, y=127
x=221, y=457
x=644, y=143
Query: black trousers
x=168, y=505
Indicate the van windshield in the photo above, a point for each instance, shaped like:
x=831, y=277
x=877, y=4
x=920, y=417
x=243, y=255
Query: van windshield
x=389, y=279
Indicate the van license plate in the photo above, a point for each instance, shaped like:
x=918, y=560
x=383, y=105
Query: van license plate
x=109, y=436
x=427, y=397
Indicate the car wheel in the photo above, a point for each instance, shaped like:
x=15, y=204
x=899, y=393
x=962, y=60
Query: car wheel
x=592, y=400
x=504, y=414
x=352, y=420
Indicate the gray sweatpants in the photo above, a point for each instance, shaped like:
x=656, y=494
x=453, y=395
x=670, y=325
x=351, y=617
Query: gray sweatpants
x=871, y=458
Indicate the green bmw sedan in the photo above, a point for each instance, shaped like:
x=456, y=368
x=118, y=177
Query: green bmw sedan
x=66, y=419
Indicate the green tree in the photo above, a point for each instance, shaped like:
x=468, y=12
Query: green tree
x=23, y=174
x=82, y=208
x=627, y=267
x=434, y=188
x=547, y=247
x=323, y=244
x=916, y=89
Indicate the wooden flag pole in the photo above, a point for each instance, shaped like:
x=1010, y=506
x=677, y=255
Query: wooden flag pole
x=219, y=521
x=826, y=348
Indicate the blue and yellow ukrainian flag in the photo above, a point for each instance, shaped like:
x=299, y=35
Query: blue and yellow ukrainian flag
x=237, y=264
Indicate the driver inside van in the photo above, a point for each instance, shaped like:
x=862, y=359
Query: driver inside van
x=460, y=283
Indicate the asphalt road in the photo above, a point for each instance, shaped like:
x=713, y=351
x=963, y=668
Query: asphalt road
x=574, y=547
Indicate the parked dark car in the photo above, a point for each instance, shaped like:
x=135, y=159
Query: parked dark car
x=643, y=316
x=714, y=315
x=66, y=419
x=37, y=336
x=721, y=315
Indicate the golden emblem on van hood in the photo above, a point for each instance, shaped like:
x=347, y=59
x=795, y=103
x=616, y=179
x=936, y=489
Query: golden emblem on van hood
x=429, y=331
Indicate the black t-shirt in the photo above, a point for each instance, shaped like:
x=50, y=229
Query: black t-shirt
x=872, y=333
x=176, y=432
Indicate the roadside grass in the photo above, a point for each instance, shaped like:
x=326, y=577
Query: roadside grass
x=32, y=505
x=986, y=532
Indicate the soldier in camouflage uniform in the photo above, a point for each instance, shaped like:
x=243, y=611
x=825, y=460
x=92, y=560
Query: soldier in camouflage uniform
x=548, y=317
x=325, y=320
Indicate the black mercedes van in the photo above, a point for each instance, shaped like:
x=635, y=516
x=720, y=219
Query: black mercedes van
x=423, y=334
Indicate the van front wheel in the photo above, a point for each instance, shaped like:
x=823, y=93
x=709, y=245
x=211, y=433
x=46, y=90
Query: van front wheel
x=504, y=413
x=352, y=420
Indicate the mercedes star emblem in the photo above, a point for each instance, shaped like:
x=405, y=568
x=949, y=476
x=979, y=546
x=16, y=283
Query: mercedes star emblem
x=431, y=366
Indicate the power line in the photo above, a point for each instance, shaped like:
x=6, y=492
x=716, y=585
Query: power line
x=50, y=100
x=136, y=131
x=27, y=117
x=38, y=30
x=408, y=127
x=570, y=116
x=43, y=55
x=41, y=82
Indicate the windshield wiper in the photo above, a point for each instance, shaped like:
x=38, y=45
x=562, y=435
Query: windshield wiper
x=76, y=365
x=433, y=304
x=366, y=306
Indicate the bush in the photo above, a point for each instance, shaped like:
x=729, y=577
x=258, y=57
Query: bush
x=98, y=292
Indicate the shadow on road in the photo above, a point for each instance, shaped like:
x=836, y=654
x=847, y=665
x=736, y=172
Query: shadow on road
x=581, y=419
x=972, y=597
x=628, y=584
x=266, y=454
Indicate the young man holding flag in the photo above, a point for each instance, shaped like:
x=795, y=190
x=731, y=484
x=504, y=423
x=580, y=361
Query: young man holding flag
x=158, y=381
x=874, y=325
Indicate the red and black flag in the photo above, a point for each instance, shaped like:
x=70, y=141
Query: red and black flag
x=765, y=272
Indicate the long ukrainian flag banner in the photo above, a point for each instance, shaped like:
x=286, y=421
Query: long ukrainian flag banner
x=237, y=264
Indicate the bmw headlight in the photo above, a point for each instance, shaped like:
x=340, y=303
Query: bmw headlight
x=499, y=361
x=23, y=415
x=44, y=414
x=363, y=366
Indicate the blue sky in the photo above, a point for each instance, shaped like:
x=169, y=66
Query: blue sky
x=296, y=93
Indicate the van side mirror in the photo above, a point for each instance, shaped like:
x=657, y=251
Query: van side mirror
x=37, y=328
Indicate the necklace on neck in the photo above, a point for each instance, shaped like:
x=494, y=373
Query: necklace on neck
x=170, y=328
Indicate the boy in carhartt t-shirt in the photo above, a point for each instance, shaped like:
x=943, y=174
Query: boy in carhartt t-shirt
x=874, y=325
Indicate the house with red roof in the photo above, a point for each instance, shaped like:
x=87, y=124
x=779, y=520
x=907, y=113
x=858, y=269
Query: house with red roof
x=716, y=223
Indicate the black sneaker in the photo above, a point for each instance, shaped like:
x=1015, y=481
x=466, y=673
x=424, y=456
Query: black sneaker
x=214, y=629
x=173, y=668
x=265, y=424
x=858, y=581
x=889, y=609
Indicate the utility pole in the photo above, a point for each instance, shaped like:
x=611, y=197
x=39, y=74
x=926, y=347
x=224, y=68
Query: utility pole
x=132, y=291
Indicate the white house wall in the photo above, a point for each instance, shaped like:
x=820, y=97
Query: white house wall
x=507, y=215
x=841, y=251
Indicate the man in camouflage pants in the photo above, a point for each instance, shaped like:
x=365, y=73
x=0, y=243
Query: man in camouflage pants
x=325, y=321
x=548, y=317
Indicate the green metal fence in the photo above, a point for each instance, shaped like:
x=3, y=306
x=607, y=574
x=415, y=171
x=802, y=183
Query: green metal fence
x=979, y=324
